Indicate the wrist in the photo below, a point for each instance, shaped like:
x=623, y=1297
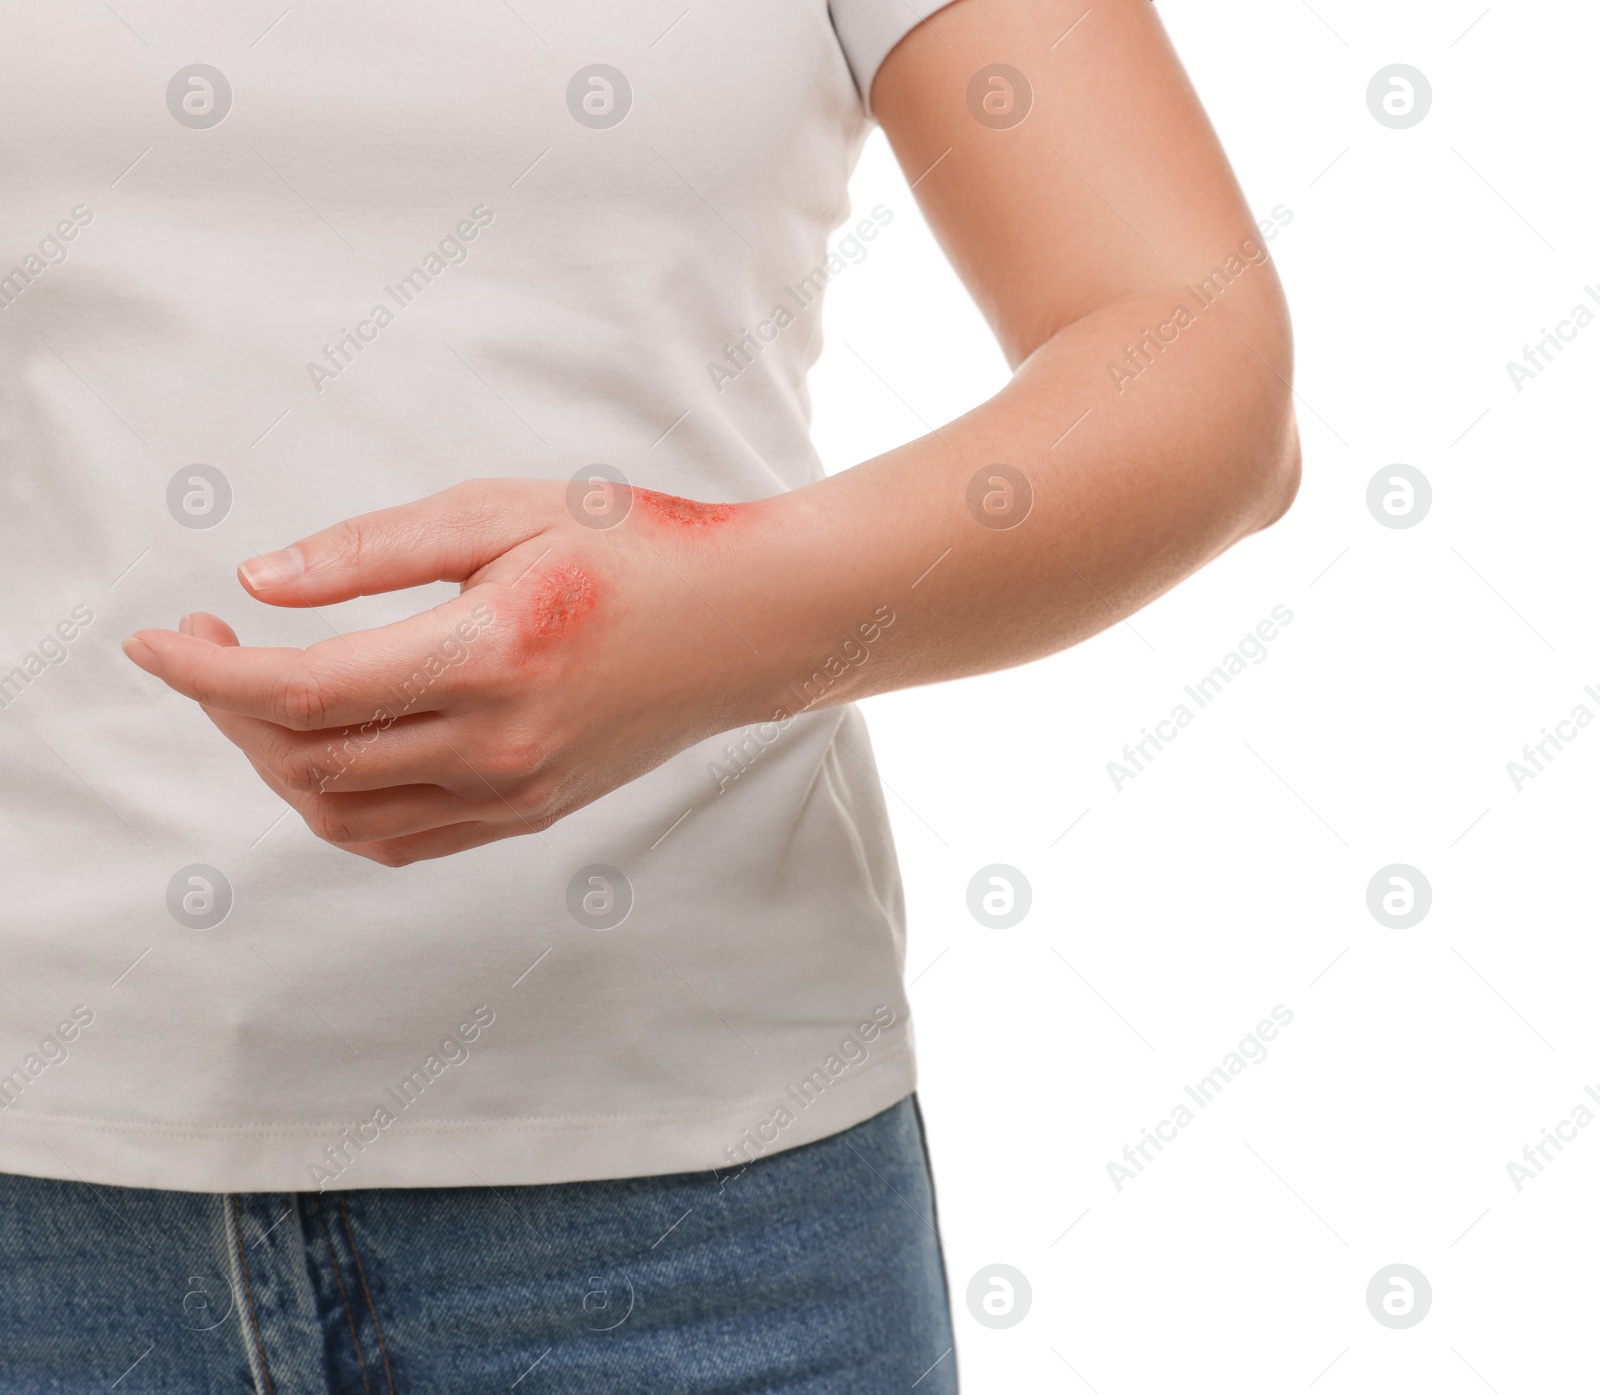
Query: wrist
x=811, y=617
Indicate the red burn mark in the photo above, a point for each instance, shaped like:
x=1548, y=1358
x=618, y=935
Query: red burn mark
x=685, y=513
x=552, y=602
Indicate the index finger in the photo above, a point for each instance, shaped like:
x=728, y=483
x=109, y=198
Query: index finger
x=414, y=665
x=444, y=537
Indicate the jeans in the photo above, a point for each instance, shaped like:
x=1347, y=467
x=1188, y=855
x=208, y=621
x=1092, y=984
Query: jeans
x=811, y=1272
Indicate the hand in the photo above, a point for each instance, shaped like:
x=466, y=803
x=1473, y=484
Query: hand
x=574, y=660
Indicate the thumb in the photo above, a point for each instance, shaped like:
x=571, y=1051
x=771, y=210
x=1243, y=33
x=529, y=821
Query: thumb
x=445, y=537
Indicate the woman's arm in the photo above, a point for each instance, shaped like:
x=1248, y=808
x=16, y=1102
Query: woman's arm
x=1147, y=428
x=1107, y=243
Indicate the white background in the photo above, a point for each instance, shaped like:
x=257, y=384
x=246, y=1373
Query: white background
x=1231, y=875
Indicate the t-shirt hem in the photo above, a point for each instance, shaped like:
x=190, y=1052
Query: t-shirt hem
x=526, y=1151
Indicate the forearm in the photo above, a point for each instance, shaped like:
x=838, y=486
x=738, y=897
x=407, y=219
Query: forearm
x=607, y=639
x=1137, y=480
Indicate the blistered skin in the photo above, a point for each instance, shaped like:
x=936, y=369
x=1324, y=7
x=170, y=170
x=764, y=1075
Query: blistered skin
x=552, y=604
x=682, y=513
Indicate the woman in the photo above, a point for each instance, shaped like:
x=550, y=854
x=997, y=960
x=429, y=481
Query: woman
x=559, y=1042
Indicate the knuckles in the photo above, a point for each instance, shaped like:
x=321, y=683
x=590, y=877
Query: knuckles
x=550, y=605
x=299, y=770
x=301, y=701
x=513, y=757
x=351, y=544
x=480, y=503
x=328, y=825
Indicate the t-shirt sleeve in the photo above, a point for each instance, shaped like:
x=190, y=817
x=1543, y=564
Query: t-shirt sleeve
x=868, y=29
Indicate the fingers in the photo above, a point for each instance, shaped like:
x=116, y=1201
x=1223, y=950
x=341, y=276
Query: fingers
x=445, y=537
x=366, y=679
x=353, y=790
x=440, y=842
x=381, y=829
x=377, y=815
x=411, y=751
x=276, y=684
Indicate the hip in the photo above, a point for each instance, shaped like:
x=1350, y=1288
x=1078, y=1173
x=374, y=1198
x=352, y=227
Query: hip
x=816, y=1269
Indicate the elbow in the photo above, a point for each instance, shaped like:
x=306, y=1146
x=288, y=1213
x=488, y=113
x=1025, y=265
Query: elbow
x=1268, y=435
x=1261, y=411
x=1276, y=479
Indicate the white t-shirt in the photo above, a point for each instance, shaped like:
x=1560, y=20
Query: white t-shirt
x=260, y=275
